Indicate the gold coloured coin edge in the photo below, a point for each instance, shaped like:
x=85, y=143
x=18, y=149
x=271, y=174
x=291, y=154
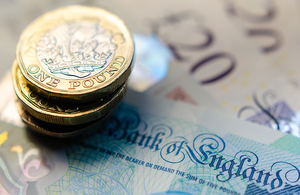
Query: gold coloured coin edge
x=26, y=118
x=65, y=118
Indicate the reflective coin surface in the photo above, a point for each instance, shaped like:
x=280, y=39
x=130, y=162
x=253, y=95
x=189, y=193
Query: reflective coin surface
x=75, y=54
x=60, y=113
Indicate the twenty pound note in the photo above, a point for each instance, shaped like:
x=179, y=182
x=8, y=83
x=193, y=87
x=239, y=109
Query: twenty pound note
x=152, y=146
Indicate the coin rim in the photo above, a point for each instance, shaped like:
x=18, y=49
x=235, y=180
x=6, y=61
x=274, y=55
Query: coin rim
x=27, y=119
x=98, y=109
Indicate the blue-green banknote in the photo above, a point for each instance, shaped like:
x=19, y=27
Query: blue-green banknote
x=152, y=146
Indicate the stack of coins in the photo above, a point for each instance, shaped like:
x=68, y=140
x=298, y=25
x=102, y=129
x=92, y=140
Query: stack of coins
x=71, y=69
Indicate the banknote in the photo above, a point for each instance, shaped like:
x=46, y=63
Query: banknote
x=150, y=146
x=182, y=88
x=274, y=27
x=215, y=53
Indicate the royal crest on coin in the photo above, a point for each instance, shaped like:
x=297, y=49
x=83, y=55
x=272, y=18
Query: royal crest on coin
x=76, y=50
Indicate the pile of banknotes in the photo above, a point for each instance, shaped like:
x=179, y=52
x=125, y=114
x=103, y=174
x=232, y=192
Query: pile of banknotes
x=212, y=105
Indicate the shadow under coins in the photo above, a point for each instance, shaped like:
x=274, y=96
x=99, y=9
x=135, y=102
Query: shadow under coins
x=56, y=137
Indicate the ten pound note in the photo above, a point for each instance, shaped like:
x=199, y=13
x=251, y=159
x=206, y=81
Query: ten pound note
x=152, y=146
